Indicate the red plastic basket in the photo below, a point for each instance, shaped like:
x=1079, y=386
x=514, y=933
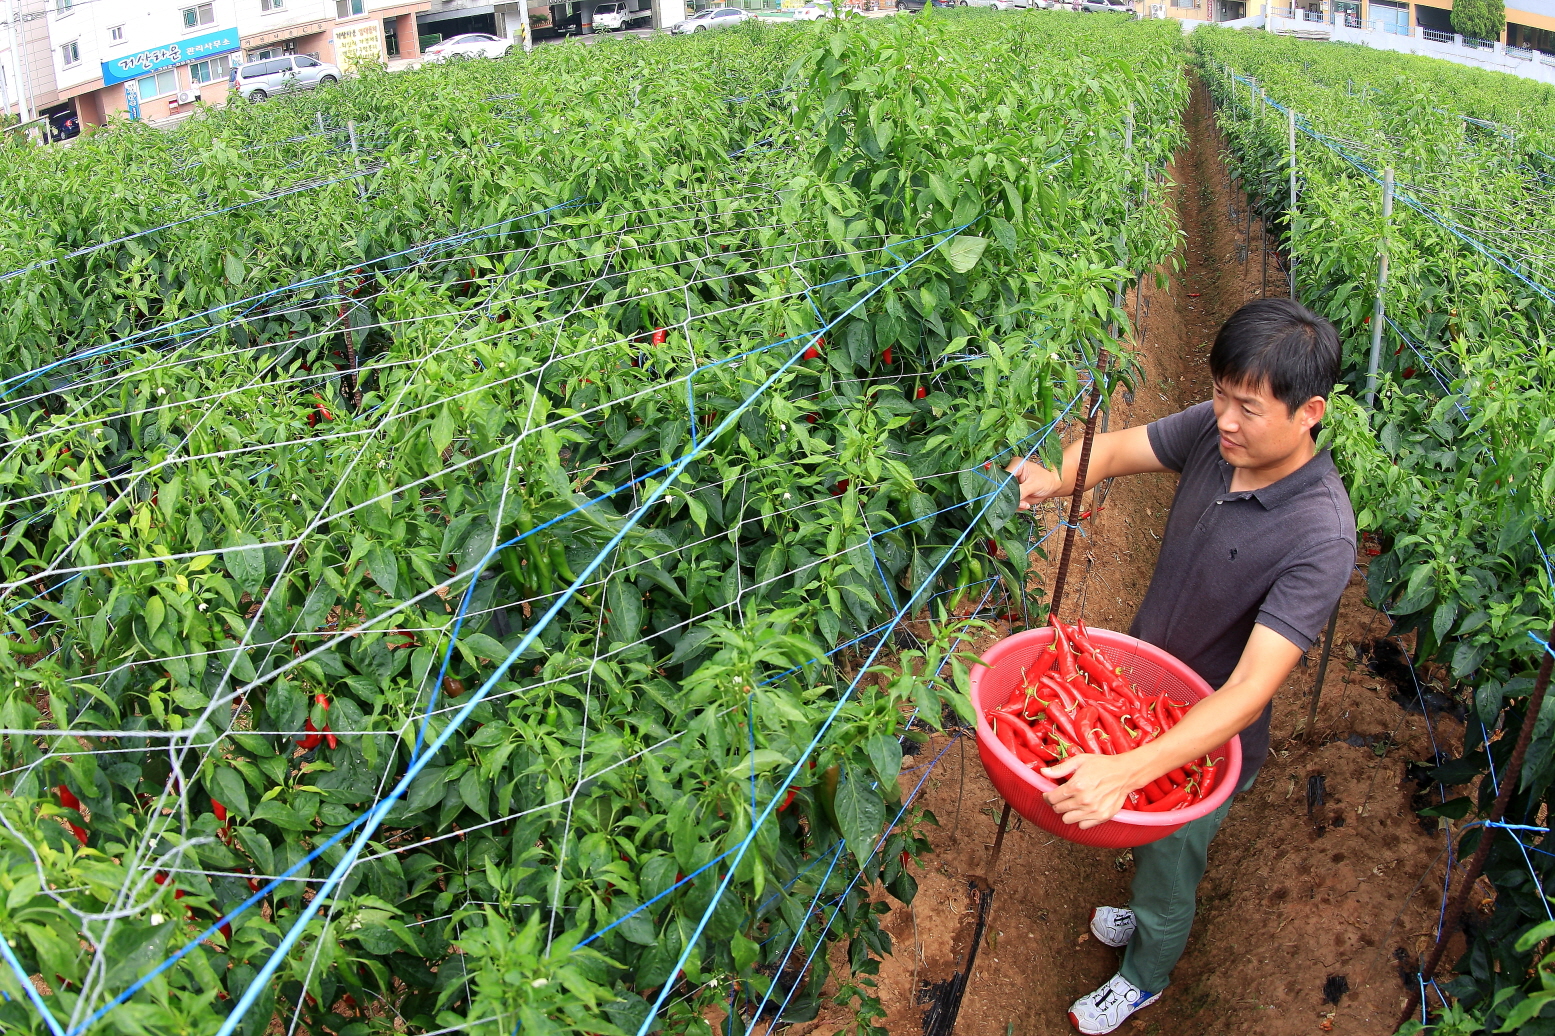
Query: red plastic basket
x=1154, y=671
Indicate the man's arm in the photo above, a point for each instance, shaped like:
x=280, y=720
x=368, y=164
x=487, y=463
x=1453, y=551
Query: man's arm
x=1127, y=452
x=1098, y=785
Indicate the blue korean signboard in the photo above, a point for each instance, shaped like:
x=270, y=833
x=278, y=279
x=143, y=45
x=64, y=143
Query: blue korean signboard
x=195, y=48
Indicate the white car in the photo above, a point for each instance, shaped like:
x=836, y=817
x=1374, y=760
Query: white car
x=813, y=12
x=998, y=5
x=614, y=16
x=712, y=18
x=470, y=45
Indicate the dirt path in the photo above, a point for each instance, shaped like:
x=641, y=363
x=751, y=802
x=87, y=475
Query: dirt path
x=1294, y=897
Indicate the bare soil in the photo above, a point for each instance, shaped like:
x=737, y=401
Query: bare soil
x=1299, y=891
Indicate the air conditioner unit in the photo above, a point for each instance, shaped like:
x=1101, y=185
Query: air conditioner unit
x=185, y=97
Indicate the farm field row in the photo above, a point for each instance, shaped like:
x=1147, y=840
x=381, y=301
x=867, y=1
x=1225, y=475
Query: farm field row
x=1449, y=470
x=454, y=561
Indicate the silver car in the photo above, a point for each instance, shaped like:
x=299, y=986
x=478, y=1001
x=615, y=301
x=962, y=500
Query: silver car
x=258, y=80
x=712, y=18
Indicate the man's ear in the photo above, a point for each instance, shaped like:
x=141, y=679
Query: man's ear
x=1311, y=412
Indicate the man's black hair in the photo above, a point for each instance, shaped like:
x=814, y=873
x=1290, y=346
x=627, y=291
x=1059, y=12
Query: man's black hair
x=1280, y=343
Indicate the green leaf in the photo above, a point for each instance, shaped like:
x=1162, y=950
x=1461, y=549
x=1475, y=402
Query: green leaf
x=155, y=612
x=232, y=266
x=227, y=787
x=384, y=567
x=245, y=562
x=475, y=793
x=481, y=646
x=443, y=429
x=759, y=761
x=860, y=814
x=744, y=950
x=885, y=755
x=964, y=251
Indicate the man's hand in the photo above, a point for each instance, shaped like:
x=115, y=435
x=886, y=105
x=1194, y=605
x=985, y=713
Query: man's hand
x=1127, y=452
x=1036, y=482
x=1097, y=788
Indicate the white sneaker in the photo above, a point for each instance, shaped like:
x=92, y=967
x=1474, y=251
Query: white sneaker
x=1108, y=1007
x=1112, y=926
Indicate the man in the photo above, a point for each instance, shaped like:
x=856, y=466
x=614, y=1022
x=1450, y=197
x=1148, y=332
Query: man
x=1259, y=545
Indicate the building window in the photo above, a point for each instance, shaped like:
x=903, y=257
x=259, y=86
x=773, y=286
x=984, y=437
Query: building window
x=71, y=53
x=271, y=5
x=347, y=8
x=63, y=6
x=203, y=14
x=116, y=34
x=165, y=82
x=210, y=71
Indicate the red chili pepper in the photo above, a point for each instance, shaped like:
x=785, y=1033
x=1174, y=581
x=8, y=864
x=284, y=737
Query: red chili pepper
x=1085, y=723
x=1065, y=662
x=886, y=356
x=1151, y=794
x=322, y=701
x=78, y=831
x=922, y=393
x=840, y=488
x=1207, y=778
x=1005, y=733
x=1117, y=740
x=810, y=418
x=219, y=810
x=1178, y=797
x=658, y=336
x=312, y=740
x=68, y=799
x=1044, y=663
x=787, y=801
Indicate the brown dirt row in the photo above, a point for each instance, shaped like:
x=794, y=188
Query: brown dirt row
x=1294, y=896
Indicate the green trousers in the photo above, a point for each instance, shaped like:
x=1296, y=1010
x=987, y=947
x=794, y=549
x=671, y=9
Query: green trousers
x=1166, y=883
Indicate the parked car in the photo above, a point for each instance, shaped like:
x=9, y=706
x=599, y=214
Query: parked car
x=469, y=45
x=712, y=18
x=258, y=80
x=813, y=12
x=617, y=15
x=914, y=6
x=999, y=5
x=64, y=126
x=1106, y=6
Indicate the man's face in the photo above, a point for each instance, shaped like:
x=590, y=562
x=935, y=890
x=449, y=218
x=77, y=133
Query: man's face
x=1257, y=430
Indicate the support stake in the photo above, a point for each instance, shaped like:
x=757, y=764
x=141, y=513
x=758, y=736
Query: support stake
x=1079, y=486
x=1322, y=670
x=1291, y=113
x=1379, y=306
x=356, y=160
x=1510, y=777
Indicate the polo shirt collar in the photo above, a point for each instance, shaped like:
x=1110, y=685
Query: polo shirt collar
x=1286, y=489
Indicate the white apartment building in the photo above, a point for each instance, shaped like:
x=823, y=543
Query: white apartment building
x=151, y=59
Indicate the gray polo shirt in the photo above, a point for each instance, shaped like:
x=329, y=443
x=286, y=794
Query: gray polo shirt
x=1279, y=556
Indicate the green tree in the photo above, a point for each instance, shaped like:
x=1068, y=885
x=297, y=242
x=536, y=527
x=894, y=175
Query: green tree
x=1481, y=19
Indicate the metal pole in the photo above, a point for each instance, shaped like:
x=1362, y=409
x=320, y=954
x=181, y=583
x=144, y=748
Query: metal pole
x=318, y=117
x=1378, y=307
x=356, y=159
x=1322, y=671
x=23, y=93
x=1291, y=113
